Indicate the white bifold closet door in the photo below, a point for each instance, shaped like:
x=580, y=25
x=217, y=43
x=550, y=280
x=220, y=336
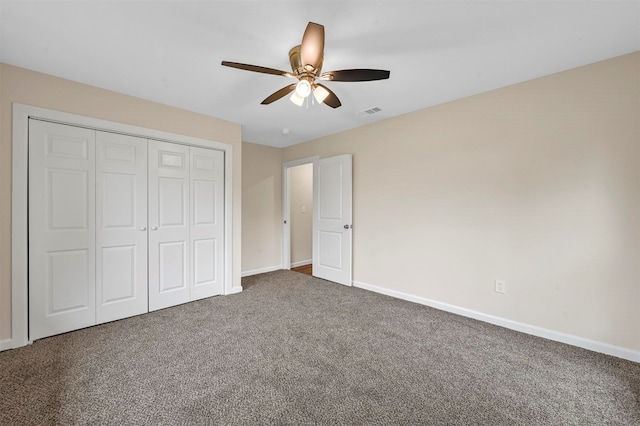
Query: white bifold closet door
x=168, y=224
x=118, y=226
x=121, y=226
x=61, y=229
x=206, y=225
x=186, y=186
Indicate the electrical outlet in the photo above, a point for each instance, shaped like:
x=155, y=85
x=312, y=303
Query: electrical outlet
x=304, y=209
x=500, y=286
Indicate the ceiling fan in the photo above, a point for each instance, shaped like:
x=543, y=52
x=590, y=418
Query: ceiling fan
x=306, y=66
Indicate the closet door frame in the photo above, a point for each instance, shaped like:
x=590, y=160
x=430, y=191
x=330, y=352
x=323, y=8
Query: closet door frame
x=19, y=226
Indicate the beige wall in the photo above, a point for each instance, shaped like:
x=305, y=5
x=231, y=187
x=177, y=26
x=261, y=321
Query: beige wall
x=536, y=184
x=31, y=88
x=301, y=192
x=261, y=207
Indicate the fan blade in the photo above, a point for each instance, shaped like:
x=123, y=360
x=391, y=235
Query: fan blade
x=256, y=68
x=279, y=94
x=331, y=99
x=312, y=46
x=356, y=75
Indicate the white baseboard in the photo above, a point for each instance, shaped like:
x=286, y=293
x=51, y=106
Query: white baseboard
x=6, y=344
x=533, y=330
x=235, y=290
x=260, y=271
x=301, y=263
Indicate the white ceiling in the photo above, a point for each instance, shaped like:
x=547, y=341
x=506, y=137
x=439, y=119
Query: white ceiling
x=437, y=51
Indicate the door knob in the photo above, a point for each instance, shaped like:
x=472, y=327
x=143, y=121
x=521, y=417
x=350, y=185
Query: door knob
x=347, y=226
x=153, y=228
x=144, y=228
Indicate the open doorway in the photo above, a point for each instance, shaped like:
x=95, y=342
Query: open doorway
x=331, y=217
x=301, y=218
x=297, y=209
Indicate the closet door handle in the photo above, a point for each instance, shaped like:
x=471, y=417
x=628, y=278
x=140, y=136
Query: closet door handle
x=144, y=228
x=154, y=228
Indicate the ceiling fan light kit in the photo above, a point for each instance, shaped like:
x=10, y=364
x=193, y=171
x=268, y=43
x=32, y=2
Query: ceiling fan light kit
x=320, y=93
x=303, y=88
x=306, y=62
x=297, y=99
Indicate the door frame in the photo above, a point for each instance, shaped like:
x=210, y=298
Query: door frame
x=286, y=206
x=19, y=199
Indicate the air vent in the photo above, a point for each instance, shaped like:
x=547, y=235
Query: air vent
x=369, y=111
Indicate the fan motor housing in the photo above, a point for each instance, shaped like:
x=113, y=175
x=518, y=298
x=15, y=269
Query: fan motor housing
x=296, y=64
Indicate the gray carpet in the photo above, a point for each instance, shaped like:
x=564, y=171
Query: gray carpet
x=293, y=349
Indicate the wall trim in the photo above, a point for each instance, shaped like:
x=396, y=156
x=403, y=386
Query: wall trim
x=260, y=270
x=6, y=344
x=19, y=187
x=235, y=290
x=301, y=263
x=533, y=330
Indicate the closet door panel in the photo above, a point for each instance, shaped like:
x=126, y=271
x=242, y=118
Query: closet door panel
x=121, y=221
x=61, y=228
x=169, y=224
x=206, y=224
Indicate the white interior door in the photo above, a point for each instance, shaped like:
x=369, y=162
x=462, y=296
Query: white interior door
x=206, y=222
x=332, y=204
x=168, y=224
x=121, y=226
x=61, y=228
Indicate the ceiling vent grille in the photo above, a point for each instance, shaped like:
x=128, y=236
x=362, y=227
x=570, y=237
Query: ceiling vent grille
x=369, y=111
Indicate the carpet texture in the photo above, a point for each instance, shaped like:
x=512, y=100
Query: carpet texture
x=293, y=349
